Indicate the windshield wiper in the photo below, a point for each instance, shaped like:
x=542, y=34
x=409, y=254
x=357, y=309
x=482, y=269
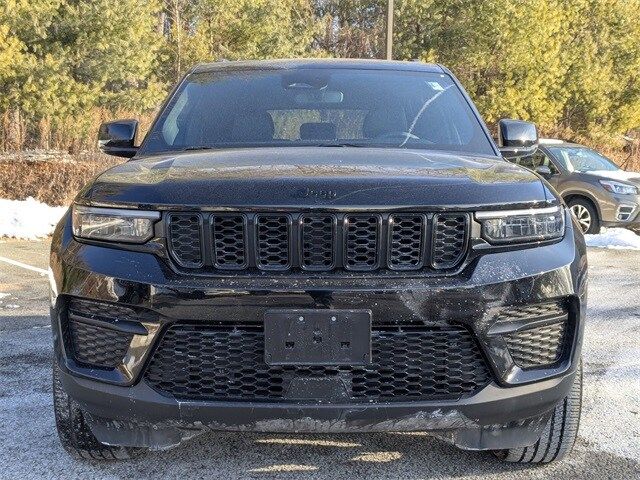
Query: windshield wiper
x=356, y=145
x=199, y=147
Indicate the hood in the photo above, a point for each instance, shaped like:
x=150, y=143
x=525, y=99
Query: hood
x=620, y=175
x=315, y=176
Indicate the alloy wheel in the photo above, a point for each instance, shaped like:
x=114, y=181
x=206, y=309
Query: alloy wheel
x=583, y=216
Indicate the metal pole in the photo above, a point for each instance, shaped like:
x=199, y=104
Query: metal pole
x=389, y=29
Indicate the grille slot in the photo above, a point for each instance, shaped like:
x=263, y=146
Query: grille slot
x=537, y=347
x=449, y=239
x=317, y=235
x=195, y=362
x=406, y=242
x=362, y=238
x=273, y=234
x=93, y=345
x=185, y=238
x=229, y=241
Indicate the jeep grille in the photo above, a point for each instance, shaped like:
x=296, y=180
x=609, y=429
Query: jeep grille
x=319, y=241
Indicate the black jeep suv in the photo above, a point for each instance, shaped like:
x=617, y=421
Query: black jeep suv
x=318, y=246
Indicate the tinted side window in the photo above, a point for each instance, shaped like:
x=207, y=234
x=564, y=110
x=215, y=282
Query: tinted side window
x=536, y=160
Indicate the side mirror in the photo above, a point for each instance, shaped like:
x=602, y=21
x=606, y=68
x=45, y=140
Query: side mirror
x=118, y=138
x=517, y=138
x=543, y=171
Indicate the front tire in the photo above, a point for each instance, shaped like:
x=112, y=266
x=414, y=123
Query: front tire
x=74, y=432
x=558, y=436
x=586, y=215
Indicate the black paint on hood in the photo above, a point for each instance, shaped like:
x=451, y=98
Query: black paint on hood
x=315, y=176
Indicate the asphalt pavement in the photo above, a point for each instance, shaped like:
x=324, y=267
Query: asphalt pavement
x=608, y=444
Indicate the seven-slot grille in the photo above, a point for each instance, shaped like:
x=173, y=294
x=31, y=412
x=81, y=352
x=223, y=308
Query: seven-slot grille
x=208, y=363
x=319, y=241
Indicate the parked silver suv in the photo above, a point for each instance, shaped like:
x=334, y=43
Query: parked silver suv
x=599, y=192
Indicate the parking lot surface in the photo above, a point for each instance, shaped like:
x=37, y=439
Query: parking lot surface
x=608, y=444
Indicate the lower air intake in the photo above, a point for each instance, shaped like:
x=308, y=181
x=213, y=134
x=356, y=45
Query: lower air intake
x=209, y=363
x=537, y=347
x=95, y=345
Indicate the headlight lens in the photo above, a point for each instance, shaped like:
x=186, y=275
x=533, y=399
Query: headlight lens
x=617, y=187
x=516, y=226
x=113, y=225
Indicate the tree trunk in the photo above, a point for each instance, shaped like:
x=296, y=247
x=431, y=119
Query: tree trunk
x=15, y=131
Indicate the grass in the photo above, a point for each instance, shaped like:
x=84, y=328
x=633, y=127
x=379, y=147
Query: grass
x=52, y=178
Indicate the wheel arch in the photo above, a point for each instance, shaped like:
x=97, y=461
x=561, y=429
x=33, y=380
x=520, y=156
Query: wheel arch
x=567, y=197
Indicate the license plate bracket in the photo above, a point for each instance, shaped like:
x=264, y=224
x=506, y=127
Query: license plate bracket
x=317, y=337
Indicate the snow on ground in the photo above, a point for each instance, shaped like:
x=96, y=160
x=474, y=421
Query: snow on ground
x=28, y=219
x=618, y=238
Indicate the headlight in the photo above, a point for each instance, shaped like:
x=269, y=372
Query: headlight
x=113, y=225
x=515, y=226
x=617, y=187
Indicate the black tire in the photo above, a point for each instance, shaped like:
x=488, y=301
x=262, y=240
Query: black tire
x=585, y=206
x=76, y=436
x=559, y=434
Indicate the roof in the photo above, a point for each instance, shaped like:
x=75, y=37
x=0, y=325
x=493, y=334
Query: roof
x=549, y=142
x=285, y=64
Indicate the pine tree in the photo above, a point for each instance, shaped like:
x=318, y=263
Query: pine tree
x=211, y=30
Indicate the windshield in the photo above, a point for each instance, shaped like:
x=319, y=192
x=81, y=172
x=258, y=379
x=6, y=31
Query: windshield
x=582, y=159
x=324, y=107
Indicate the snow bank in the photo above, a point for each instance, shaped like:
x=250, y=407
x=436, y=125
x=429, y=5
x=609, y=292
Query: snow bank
x=618, y=238
x=28, y=219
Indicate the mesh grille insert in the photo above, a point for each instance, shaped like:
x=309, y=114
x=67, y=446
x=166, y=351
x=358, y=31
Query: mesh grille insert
x=317, y=234
x=93, y=345
x=102, y=310
x=226, y=363
x=449, y=239
x=361, y=241
x=533, y=311
x=97, y=346
x=273, y=241
x=230, y=241
x=406, y=242
x=185, y=238
x=537, y=347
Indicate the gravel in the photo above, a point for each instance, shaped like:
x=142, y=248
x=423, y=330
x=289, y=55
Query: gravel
x=608, y=444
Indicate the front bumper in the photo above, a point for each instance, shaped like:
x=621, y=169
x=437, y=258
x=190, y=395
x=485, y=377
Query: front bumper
x=495, y=418
x=620, y=210
x=510, y=411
